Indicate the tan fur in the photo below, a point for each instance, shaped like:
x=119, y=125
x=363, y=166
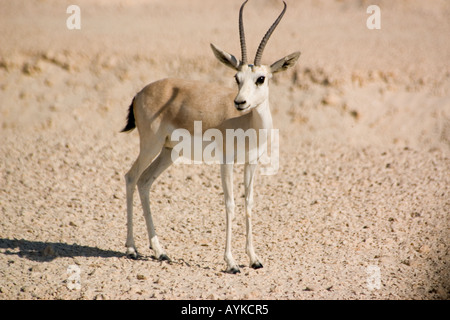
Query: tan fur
x=169, y=104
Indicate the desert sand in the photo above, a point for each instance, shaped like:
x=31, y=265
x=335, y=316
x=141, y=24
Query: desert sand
x=359, y=208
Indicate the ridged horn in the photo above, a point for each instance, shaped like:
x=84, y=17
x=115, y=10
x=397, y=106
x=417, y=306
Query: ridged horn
x=242, y=35
x=263, y=43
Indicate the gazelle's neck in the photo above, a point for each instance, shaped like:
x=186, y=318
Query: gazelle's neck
x=261, y=116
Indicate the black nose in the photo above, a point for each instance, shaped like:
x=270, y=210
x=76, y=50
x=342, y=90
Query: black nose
x=239, y=103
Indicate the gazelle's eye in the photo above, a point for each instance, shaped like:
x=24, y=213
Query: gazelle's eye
x=237, y=79
x=260, y=80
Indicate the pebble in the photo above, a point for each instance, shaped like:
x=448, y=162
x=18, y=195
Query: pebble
x=141, y=277
x=331, y=99
x=212, y=296
x=48, y=251
x=425, y=249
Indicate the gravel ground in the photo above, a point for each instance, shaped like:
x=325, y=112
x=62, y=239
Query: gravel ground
x=358, y=210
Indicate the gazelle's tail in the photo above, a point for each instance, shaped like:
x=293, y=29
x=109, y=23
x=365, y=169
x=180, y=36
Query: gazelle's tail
x=131, y=123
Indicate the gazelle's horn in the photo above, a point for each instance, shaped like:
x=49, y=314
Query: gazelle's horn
x=263, y=43
x=242, y=35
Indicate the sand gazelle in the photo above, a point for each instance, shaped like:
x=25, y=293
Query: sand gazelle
x=166, y=105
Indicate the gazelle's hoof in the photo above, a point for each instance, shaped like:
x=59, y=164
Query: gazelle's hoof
x=257, y=265
x=233, y=270
x=132, y=253
x=164, y=257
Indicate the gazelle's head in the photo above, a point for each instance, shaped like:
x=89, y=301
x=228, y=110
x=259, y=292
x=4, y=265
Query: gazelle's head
x=253, y=79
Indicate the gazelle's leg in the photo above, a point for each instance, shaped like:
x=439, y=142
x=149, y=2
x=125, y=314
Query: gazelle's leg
x=130, y=185
x=161, y=163
x=226, y=172
x=131, y=178
x=249, y=170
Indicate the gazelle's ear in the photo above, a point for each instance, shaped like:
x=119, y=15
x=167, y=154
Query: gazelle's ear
x=227, y=59
x=285, y=63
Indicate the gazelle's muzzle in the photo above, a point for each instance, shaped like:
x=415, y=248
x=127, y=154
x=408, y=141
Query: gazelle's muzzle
x=240, y=105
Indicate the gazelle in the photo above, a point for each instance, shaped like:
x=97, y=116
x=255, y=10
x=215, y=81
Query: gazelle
x=166, y=105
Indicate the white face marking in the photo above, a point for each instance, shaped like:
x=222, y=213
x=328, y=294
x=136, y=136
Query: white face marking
x=253, y=83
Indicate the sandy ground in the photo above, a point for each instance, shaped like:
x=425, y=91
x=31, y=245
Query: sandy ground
x=358, y=210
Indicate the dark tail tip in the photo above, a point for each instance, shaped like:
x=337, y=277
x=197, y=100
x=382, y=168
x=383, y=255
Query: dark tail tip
x=131, y=123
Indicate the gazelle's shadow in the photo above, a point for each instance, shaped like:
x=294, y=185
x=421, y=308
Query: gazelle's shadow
x=48, y=251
